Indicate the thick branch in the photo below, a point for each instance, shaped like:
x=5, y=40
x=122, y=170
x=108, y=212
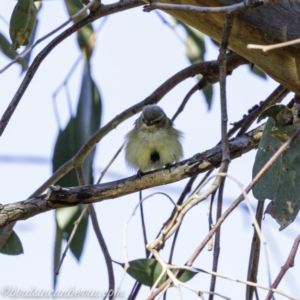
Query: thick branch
x=64, y=197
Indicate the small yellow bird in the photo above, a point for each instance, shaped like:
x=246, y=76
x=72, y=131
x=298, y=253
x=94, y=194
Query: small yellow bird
x=153, y=142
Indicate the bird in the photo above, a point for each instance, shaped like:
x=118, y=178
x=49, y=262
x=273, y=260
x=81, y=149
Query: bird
x=153, y=142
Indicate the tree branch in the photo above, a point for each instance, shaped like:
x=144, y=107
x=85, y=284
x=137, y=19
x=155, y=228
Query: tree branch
x=70, y=196
x=230, y=9
x=288, y=264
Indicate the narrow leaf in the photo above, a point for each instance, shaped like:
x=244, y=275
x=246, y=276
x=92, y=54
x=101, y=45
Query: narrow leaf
x=195, y=45
x=85, y=35
x=57, y=252
x=208, y=94
x=69, y=141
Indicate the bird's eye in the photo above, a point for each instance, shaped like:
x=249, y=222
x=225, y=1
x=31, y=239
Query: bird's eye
x=156, y=121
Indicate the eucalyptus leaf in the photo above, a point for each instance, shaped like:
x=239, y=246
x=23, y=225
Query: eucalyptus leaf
x=78, y=130
x=208, y=94
x=281, y=182
x=85, y=35
x=281, y=114
x=146, y=271
x=22, y=23
x=195, y=44
x=284, y=133
x=57, y=252
x=13, y=245
x=258, y=71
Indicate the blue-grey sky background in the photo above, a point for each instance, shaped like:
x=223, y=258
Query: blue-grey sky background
x=135, y=52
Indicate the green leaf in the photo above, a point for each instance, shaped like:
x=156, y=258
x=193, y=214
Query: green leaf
x=195, y=51
x=284, y=133
x=281, y=114
x=79, y=129
x=22, y=23
x=258, y=71
x=57, y=252
x=217, y=44
x=65, y=218
x=5, y=48
x=146, y=271
x=208, y=94
x=13, y=245
x=38, y=5
x=281, y=182
x=85, y=35
x=195, y=45
x=31, y=41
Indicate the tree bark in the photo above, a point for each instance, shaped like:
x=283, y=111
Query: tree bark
x=267, y=25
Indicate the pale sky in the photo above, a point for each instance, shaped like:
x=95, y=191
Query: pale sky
x=134, y=54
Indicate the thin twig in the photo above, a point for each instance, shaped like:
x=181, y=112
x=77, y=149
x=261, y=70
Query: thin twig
x=143, y=222
x=100, y=238
x=125, y=251
x=201, y=84
x=265, y=48
x=234, y=8
x=80, y=175
x=275, y=97
x=210, y=218
x=186, y=190
x=63, y=85
x=236, y=280
x=254, y=253
x=107, y=257
x=173, y=28
x=217, y=240
x=256, y=225
x=110, y=163
x=76, y=224
x=288, y=264
x=225, y=145
x=222, y=67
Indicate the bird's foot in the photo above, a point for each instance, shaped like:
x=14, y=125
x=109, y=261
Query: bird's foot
x=139, y=174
